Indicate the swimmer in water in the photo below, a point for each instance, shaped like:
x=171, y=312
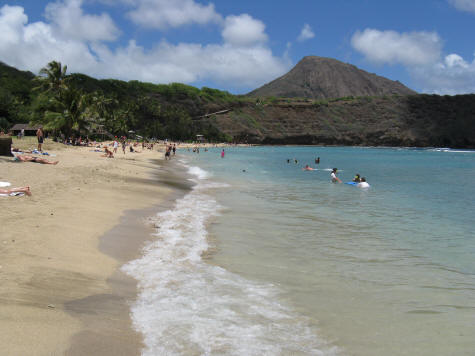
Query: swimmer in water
x=363, y=183
x=333, y=176
x=357, y=178
x=308, y=168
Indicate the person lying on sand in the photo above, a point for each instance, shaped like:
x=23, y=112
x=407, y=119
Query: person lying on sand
x=14, y=149
x=25, y=190
x=25, y=158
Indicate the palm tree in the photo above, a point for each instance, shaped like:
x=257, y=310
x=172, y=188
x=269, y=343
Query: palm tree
x=70, y=112
x=53, y=78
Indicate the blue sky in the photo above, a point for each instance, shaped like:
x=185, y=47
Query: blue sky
x=241, y=45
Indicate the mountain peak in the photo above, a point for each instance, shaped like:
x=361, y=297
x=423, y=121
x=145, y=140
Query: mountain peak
x=324, y=78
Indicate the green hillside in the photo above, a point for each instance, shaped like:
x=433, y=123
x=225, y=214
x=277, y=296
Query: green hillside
x=77, y=104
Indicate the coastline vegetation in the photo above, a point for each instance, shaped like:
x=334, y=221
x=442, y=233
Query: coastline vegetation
x=75, y=104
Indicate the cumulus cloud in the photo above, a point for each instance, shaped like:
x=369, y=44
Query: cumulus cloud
x=243, y=60
x=189, y=63
x=31, y=46
x=71, y=22
x=414, y=48
x=164, y=14
x=464, y=5
x=421, y=54
x=306, y=33
x=452, y=75
x=243, y=30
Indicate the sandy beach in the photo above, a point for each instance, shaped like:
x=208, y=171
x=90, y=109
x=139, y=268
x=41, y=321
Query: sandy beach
x=62, y=292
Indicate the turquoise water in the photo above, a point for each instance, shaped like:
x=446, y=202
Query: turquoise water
x=388, y=270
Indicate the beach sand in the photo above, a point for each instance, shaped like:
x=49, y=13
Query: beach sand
x=62, y=292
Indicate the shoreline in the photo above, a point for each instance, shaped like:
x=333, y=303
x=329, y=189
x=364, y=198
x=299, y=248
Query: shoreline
x=124, y=242
x=59, y=278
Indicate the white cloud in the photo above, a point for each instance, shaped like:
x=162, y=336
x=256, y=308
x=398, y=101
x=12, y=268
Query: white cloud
x=414, y=48
x=242, y=61
x=420, y=53
x=453, y=75
x=306, y=33
x=162, y=14
x=189, y=63
x=464, y=5
x=72, y=23
x=243, y=30
x=32, y=46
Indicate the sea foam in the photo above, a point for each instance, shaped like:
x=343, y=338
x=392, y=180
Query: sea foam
x=189, y=307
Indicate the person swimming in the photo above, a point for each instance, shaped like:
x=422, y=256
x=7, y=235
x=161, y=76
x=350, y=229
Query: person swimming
x=308, y=168
x=333, y=176
x=363, y=183
x=357, y=178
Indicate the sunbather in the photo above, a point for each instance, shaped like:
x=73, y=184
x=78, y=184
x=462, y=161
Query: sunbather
x=25, y=190
x=25, y=158
x=14, y=149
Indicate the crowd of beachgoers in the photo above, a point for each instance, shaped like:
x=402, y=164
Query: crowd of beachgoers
x=121, y=145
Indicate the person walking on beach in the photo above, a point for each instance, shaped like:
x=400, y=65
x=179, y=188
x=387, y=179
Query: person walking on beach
x=40, y=137
x=115, y=145
x=168, y=152
x=174, y=149
x=333, y=176
x=123, y=144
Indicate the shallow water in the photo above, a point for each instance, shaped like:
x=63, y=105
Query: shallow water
x=262, y=258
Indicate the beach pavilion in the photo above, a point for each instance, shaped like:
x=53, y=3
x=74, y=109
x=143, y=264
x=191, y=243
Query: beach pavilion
x=30, y=130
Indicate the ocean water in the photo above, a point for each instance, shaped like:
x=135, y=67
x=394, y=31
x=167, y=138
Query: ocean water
x=263, y=258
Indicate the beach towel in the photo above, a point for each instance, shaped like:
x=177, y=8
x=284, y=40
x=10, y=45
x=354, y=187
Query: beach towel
x=5, y=184
x=14, y=194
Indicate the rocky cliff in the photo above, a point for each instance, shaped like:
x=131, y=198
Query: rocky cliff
x=415, y=120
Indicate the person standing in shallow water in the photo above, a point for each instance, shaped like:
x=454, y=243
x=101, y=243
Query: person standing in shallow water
x=222, y=153
x=333, y=176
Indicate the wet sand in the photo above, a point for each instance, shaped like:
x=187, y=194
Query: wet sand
x=62, y=292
